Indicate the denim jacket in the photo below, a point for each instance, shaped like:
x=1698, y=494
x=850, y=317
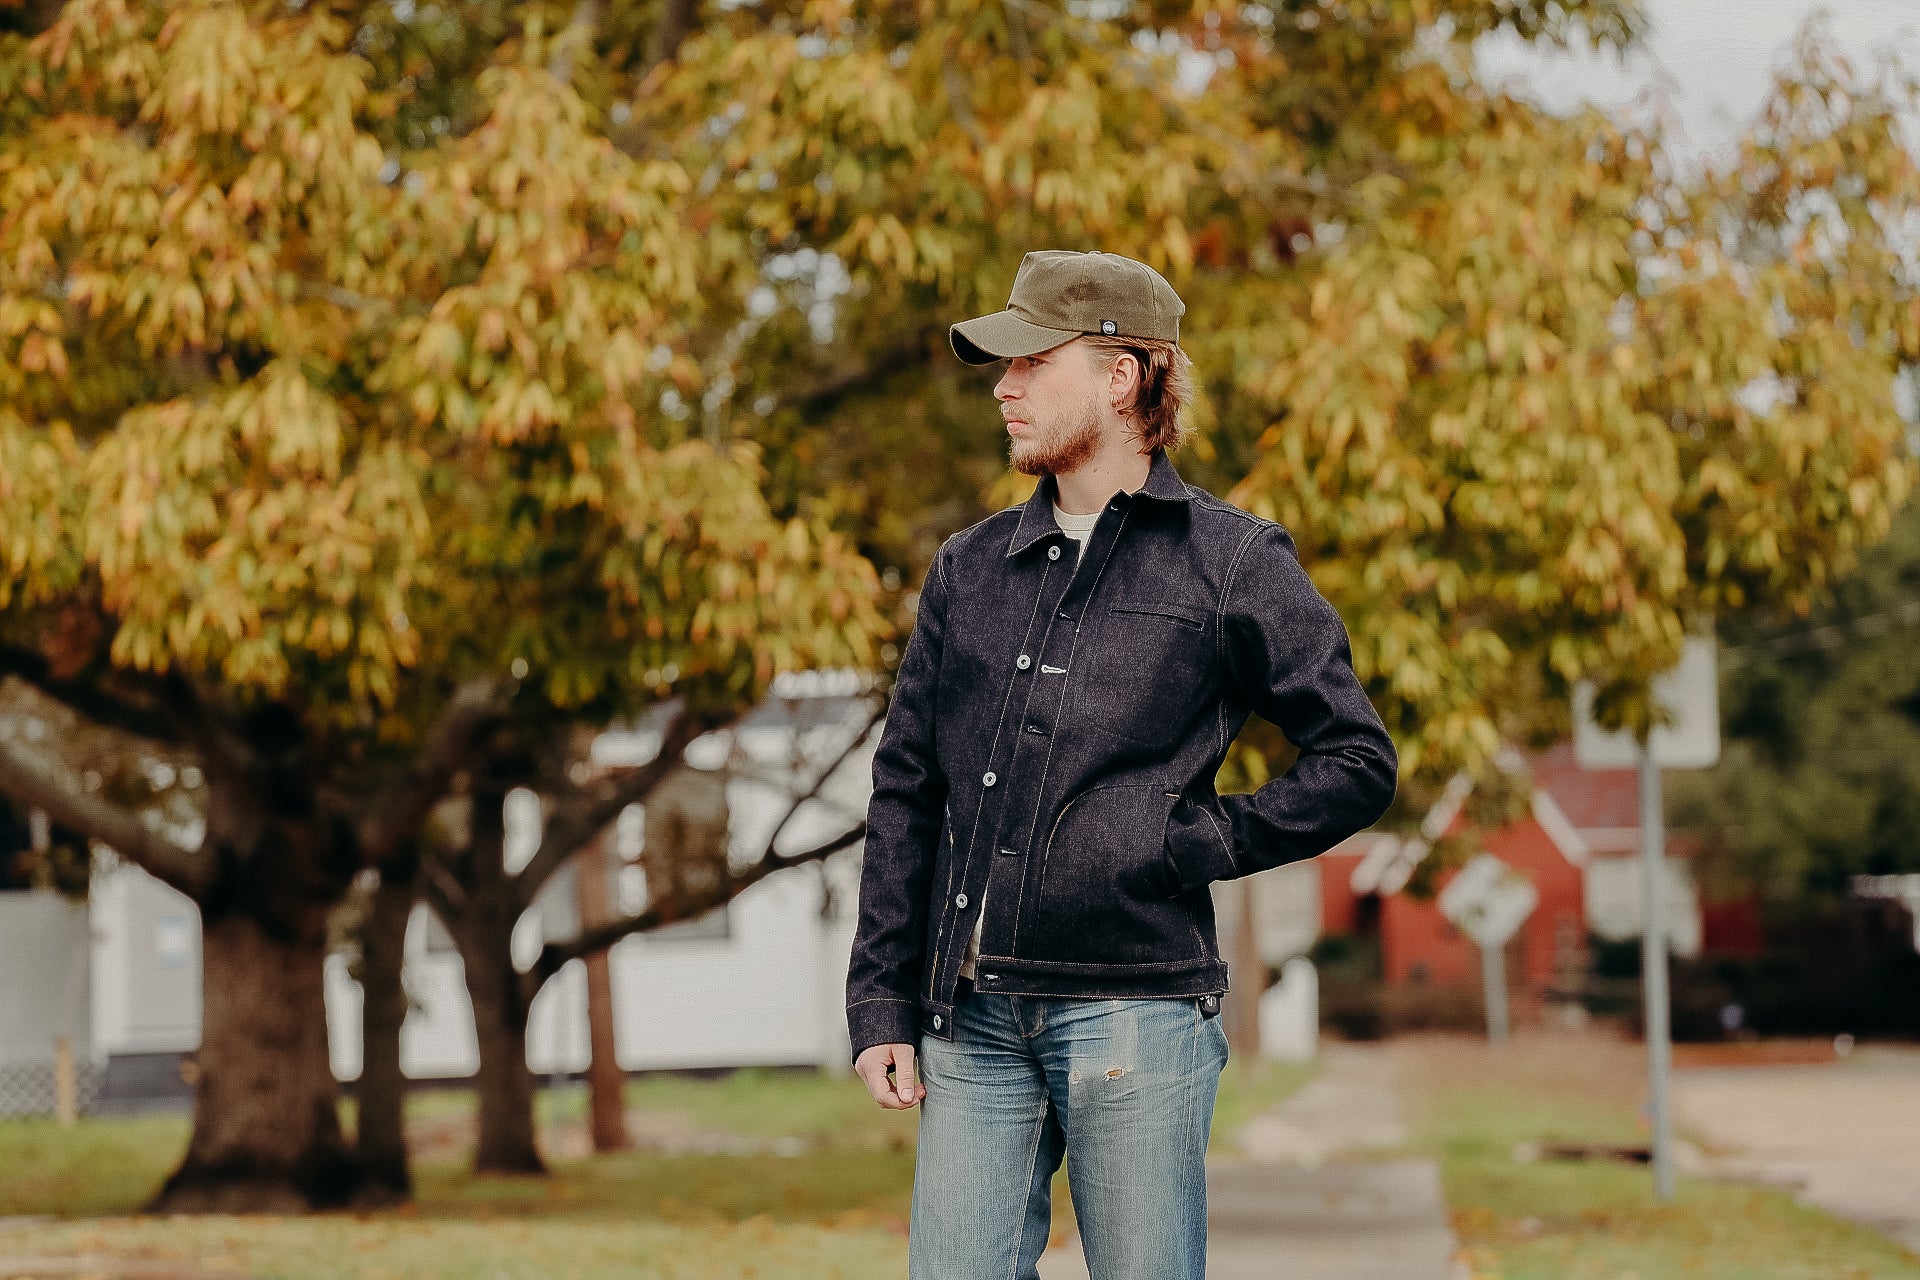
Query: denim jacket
x=1053, y=737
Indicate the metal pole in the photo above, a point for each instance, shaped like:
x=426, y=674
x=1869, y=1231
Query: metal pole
x=1653, y=971
x=1493, y=977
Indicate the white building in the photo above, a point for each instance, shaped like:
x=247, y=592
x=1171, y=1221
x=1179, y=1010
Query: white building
x=43, y=935
x=758, y=982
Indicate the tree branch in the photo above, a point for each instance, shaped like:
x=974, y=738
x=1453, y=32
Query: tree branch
x=878, y=714
x=209, y=725
x=585, y=812
x=475, y=707
x=29, y=782
x=92, y=698
x=442, y=889
x=675, y=25
x=885, y=362
x=669, y=910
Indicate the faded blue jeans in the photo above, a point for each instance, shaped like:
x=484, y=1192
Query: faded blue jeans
x=1123, y=1088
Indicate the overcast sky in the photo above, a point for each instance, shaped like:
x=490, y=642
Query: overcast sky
x=1712, y=59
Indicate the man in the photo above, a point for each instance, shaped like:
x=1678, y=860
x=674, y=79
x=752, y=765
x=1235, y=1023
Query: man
x=1034, y=903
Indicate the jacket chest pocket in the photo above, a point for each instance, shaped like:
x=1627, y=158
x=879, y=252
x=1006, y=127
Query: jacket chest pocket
x=1143, y=678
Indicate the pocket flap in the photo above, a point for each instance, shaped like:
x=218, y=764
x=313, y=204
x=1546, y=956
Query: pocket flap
x=1187, y=615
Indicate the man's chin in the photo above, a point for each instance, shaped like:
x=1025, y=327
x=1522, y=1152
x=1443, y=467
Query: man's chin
x=1027, y=462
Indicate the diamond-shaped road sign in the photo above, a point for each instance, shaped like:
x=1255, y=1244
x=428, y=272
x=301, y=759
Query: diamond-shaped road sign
x=1488, y=900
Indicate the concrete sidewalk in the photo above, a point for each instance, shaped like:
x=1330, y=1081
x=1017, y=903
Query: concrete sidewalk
x=1843, y=1136
x=1304, y=1202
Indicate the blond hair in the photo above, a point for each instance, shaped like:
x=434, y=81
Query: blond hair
x=1163, y=388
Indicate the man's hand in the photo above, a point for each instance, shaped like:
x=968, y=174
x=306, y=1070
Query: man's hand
x=904, y=1089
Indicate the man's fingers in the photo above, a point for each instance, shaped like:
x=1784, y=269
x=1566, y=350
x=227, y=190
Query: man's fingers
x=898, y=1094
x=903, y=1078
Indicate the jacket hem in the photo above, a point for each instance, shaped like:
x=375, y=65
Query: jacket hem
x=1005, y=975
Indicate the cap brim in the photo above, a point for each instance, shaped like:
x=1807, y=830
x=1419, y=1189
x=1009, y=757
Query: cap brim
x=1003, y=336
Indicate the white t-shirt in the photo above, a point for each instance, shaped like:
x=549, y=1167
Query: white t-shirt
x=1077, y=528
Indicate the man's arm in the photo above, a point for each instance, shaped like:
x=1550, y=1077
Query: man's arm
x=1287, y=650
x=904, y=818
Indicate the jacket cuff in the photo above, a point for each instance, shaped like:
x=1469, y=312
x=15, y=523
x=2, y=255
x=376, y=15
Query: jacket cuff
x=1200, y=842
x=882, y=1020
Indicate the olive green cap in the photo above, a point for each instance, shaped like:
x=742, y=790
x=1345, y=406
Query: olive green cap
x=1059, y=294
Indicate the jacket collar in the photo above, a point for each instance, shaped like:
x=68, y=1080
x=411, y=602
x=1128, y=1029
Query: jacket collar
x=1036, y=517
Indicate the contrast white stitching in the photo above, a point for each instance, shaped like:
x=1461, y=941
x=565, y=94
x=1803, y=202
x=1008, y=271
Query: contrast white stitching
x=1225, y=847
x=1033, y=1161
x=1040, y=788
x=973, y=837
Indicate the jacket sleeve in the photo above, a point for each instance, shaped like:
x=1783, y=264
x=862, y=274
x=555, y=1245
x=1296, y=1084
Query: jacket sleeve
x=1287, y=651
x=904, y=819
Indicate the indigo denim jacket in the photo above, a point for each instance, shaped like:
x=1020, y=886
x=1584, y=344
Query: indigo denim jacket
x=1052, y=741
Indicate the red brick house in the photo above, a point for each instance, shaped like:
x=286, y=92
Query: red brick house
x=1578, y=846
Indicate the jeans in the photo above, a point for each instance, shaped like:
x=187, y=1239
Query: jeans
x=1123, y=1088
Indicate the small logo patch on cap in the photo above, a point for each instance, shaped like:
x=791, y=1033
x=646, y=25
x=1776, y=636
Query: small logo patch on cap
x=1109, y=328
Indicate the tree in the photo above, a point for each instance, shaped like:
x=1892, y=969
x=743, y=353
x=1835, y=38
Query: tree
x=371, y=329
x=469, y=887
x=1533, y=401
x=1819, y=780
x=317, y=480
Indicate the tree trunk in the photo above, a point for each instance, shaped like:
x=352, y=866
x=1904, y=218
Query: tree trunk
x=606, y=1083
x=1241, y=1010
x=382, y=1137
x=266, y=1124
x=504, y=1084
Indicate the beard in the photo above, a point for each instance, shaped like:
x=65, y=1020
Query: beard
x=1056, y=446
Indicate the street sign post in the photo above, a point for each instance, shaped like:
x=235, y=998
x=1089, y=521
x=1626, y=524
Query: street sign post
x=1489, y=901
x=1691, y=740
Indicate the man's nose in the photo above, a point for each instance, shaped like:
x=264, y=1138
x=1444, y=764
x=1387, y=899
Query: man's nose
x=1004, y=389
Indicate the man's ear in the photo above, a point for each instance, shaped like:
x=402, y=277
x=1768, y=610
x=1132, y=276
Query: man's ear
x=1124, y=382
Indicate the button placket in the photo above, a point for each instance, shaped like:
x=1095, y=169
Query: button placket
x=1056, y=655
x=1066, y=607
x=997, y=802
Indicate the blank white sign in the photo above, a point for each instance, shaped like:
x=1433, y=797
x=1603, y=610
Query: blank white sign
x=1689, y=692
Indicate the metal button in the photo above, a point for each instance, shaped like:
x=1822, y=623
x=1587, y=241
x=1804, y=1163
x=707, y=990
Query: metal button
x=937, y=1024
x=959, y=899
x=1066, y=615
x=1053, y=552
x=1023, y=662
x=988, y=779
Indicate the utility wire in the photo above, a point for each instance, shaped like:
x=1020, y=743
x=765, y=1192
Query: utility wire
x=1831, y=635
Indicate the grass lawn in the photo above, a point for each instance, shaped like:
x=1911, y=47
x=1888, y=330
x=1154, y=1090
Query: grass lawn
x=835, y=1205
x=1552, y=1220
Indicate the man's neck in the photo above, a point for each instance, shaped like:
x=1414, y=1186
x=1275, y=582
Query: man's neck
x=1086, y=488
